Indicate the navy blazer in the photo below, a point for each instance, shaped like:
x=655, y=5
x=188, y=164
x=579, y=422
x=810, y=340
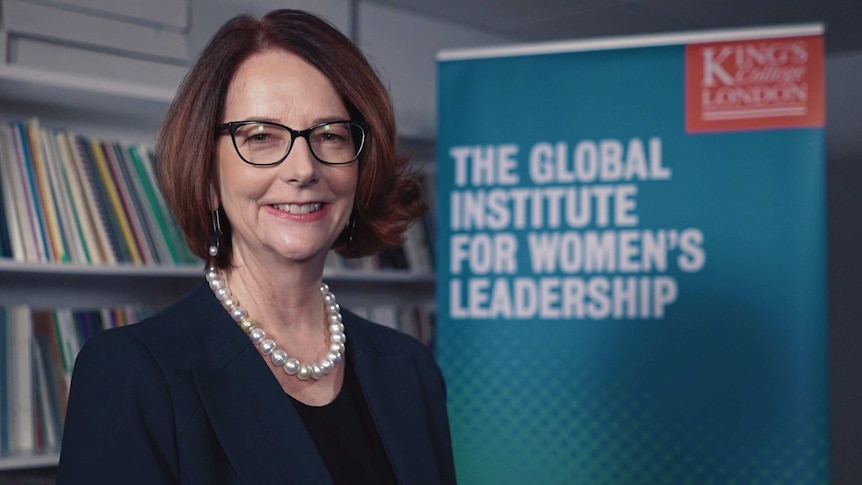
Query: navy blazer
x=185, y=397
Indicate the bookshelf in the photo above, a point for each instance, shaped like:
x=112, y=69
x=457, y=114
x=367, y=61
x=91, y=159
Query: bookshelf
x=128, y=111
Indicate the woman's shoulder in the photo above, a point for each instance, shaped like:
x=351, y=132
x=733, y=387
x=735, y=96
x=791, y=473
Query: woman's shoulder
x=172, y=336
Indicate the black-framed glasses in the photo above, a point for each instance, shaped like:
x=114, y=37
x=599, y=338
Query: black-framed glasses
x=265, y=143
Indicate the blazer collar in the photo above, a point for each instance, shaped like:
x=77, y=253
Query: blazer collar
x=261, y=434
x=264, y=438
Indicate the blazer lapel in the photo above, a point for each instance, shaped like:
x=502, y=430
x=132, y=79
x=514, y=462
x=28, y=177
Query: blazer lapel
x=396, y=400
x=261, y=434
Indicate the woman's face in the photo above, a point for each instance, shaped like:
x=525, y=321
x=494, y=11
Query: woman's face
x=297, y=209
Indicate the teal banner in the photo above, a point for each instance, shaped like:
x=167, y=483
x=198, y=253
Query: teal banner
x=631, y=262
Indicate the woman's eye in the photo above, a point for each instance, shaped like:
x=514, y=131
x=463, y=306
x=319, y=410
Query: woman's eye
x=332, y=137
x=259, y=137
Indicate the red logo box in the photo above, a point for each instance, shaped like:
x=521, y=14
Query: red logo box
x=754, y=84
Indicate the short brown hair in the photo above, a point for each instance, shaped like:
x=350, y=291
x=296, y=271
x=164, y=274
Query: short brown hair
x=388, y=195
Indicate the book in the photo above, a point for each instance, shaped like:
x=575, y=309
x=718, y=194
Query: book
x=128, y=205
x=67, y=339
x=8, y=187
x=29, y=214
x=5, y=375
x=392, y=258
x=6, y=250
x=88, y=215
x=45, y=333
x=124, y=236
x=65, y=196
x=46, y=203
x=108, y=226
x=417, y=250
x=45, y=411
x=146, y=210
x=385, y=314
x=22, y=418
x=170, y=231
x=155, y=216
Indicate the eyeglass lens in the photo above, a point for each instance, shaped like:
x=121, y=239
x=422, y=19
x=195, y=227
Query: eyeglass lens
x=265, y=144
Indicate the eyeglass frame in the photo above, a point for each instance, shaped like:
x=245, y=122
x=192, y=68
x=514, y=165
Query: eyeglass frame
x=232, y=126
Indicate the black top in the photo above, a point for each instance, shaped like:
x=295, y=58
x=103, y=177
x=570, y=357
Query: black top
x=346, y=437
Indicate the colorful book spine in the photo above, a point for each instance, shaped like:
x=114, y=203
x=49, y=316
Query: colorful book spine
x=88, y=216
x=110, y=226
x=46, y=203
x=6, y=249
x=135, y=208
x=29, y=213
x=69, y=239
x=66, y=205
x=11, y=196
x=115, y=203
x=143, y=163
x=147, y=206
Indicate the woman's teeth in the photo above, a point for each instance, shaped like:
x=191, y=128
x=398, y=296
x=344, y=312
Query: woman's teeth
x=299, y=209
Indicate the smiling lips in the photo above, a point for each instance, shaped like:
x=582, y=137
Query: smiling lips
x=299, y=208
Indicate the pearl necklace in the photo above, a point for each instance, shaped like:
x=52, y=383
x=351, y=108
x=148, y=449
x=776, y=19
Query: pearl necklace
x=291, y=365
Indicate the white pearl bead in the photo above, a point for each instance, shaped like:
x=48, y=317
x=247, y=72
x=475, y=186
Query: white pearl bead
x=211, y=274
x=222, y=293
x=229, y=303
x=291, y=366
x=337, y=347
x=333, y=308
x=279, y=357
x=334, y=318
x=316, y=372
x=337, y=338
x=327, y=365
x=216, y=283
x=257, y=335
x=247, y=324
x=336, y=328
x=238, y=313
x=267, y=346
x=324, y=287
x=213, y=250
x=337, y=358
x=304, y=372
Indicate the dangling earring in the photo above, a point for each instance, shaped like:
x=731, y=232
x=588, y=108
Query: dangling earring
x=352, y=235
x=215, y=235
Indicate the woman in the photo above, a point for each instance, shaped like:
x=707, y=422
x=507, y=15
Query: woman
x=279, y=146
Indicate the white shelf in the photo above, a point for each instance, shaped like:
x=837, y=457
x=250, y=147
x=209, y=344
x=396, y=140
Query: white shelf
x=68, y=285
x=8, y=266
x=120, y=270
x=54, y=86
x=21, y=461
x=95, y=100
